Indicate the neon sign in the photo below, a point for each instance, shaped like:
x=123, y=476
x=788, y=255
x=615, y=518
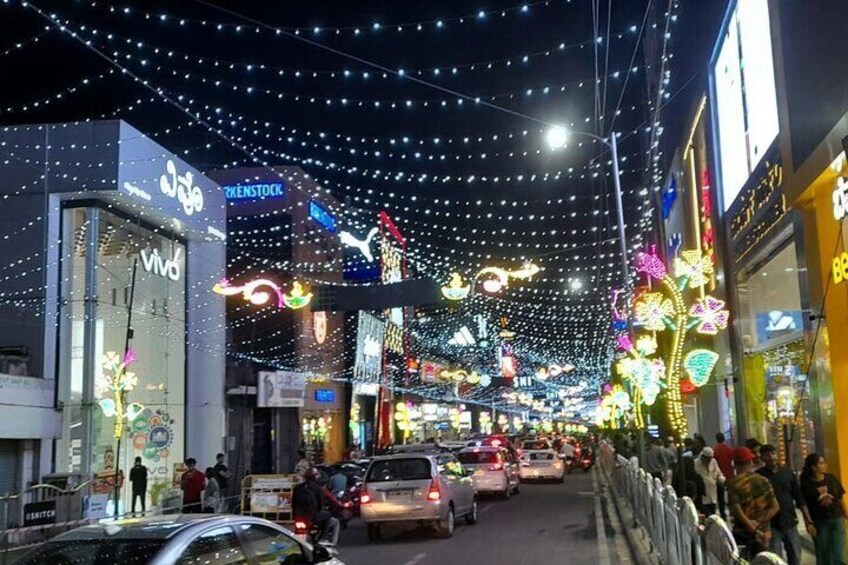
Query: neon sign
x=840, y=268
x=322, y=216
x=706, y=209
x=247, y=191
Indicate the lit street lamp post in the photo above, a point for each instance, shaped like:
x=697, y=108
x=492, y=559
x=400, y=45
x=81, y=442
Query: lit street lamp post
x=557, y=137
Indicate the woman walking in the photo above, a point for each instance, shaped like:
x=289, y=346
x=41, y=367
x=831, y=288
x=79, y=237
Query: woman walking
x=824, y=496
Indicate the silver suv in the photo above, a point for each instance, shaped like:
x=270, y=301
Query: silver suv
x=424, y=488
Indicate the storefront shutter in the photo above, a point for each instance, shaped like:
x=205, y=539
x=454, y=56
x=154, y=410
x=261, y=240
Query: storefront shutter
x=9, y=466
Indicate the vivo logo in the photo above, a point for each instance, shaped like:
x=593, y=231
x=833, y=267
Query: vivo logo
x=182, y=188
x=156, y=264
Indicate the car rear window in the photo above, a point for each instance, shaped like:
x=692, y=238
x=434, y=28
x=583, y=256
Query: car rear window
x=536, y=445
x=541, y=456
x=477, y=457
x=94, y=552
x=411, y=469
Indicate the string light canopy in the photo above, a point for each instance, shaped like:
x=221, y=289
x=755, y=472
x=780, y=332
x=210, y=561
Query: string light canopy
x=448, y=145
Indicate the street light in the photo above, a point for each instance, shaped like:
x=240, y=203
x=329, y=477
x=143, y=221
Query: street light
x=556, y=138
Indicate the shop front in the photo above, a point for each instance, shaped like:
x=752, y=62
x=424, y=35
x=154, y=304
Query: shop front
x=140, y=342
x=322, y=424
x=824, y=205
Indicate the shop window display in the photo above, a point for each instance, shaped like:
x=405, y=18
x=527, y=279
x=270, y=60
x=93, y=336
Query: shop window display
x=775, y=359
x=156, y=433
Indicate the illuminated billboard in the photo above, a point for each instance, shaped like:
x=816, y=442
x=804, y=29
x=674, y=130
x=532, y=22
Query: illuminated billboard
x=744, y=94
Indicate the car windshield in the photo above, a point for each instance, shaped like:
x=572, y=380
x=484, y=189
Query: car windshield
x=477, y=457
x=94, y=552
x=541, y=456
x=411, y=469
x=536, y=444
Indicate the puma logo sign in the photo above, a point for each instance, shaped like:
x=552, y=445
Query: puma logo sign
x=364, y=246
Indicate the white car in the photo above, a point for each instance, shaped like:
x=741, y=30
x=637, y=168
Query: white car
x=541, y=464
x=494, y=469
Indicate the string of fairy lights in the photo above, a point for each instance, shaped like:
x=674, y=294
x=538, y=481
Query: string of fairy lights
x=429, y=221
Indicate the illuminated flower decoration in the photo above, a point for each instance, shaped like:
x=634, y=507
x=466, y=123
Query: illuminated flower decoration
x=709, y=314
x=111, y=361
x=614, y=405
x=652, y=310
x=128, y=381
x=623, y=343
x=651, y=265
x=456, y=289
x=694, y=267
x=699, y=365
x=646, y=345
x=107, y=405
x=130, y=357
x=297, y=298
x=646, y=374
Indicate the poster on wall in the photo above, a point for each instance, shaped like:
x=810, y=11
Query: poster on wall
x=280, y=389
x=776, y=323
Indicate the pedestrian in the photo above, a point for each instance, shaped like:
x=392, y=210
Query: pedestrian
x=823, y=495
x=724, y=457
x=754, y=445
x=212, y=493
x=656, y=459
x=303, y=464
x=671, y=449
x=752, y=504
x=192, y=483
x=707, y=468
x=222, y=475
x=784, y=526
x=138, y=480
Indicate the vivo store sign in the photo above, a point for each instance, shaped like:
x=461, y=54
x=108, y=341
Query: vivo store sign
x=154, y=263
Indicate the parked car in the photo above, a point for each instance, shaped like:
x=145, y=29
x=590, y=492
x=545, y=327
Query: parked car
x=424, y=488
x=495, y=470
x=193, y=539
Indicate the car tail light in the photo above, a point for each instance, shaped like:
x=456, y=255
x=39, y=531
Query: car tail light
x=364, y=496
x=300, y=527
x=496, y=467
x=434, y=494
x=496, y=443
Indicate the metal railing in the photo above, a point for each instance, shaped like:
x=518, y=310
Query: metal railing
x=672, y=524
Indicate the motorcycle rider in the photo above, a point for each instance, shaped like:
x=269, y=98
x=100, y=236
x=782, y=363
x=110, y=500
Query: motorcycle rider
x=567, y=452
x=309, y=502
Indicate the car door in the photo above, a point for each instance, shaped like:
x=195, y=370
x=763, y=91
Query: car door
x=218, y=546
x=267, y=545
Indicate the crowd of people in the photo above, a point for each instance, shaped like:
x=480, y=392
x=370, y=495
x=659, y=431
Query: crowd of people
x=202, y=491
x=749, y=485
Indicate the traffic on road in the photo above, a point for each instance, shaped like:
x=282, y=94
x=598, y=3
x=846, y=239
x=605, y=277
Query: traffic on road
x=402, y=499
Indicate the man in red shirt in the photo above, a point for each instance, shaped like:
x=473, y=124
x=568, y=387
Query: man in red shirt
x=192, y=482
x=724, y=455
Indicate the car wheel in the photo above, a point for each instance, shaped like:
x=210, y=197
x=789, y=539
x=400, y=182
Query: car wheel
x=446, y=527
x=471, y=517
x=374, y=533
x=507, y=492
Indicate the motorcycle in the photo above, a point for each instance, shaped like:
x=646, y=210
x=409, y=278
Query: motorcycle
x=586, y=463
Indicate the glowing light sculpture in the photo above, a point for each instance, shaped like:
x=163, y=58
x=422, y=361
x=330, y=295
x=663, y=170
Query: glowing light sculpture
x=251, y=291
x=456, y=289
x=668, y=310
x=118, y=380
x=297, y=298
x=699, y=365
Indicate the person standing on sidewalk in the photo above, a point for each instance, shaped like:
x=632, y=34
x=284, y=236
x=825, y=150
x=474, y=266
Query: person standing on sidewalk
x=192, y=482
x=752, y=504
x=784, y=526
x=724, y=457
x=707, y=468
x=656, y=459
x=138, y=479
x=824, y=497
